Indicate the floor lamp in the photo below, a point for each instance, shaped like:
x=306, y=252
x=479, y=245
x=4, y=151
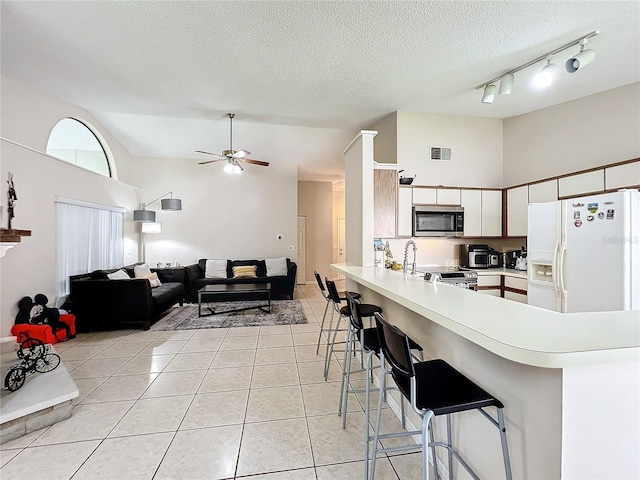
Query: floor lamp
x=148, y=227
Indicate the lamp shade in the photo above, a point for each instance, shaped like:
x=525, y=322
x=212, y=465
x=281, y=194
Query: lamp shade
x=144, y=216
x=151, y=227
x=171, y=204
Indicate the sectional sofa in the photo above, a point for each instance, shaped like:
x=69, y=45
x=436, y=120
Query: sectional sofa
x=100, y=303
x=282, y=286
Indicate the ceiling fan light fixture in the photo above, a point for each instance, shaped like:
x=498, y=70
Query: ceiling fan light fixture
x=228, y=168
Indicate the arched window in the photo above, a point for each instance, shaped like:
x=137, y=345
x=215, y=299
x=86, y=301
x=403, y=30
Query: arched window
x=73, y=141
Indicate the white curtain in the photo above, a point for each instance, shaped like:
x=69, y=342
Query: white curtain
x=88, y=238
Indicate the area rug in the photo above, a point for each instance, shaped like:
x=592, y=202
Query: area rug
x=283, y=312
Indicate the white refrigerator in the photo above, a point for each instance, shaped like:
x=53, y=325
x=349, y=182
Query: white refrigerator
x=584, y=253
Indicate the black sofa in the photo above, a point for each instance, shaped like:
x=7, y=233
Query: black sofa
x=281, y=286
x=103, y=304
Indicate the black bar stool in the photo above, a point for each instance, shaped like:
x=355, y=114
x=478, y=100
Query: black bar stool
x=370, y=346
x=433, y=388
x=324, y=293
x=343, y=312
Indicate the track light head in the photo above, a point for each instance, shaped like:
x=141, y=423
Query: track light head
x=545, y=77
x=584, y=58
x=506, y=84
x=489, y=93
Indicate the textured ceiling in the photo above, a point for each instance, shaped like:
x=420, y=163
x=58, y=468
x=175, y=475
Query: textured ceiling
x=162, y=75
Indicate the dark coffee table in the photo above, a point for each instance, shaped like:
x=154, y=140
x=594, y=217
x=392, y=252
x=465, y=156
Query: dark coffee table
x=234, y=293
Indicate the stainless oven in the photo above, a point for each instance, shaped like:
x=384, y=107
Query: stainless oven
x=438, y=221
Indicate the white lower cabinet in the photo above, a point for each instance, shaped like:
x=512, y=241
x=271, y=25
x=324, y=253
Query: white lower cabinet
x=516, y=297
x=494, y=292
x=515, y=282
x=489, y=281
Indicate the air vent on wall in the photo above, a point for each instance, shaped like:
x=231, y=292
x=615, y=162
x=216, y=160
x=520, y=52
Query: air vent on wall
x=440, y=154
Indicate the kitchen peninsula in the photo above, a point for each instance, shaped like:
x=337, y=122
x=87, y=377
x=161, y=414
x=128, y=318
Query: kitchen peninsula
x=570, y=382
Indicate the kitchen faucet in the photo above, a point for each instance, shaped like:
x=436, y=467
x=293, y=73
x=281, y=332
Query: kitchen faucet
x=406, y=257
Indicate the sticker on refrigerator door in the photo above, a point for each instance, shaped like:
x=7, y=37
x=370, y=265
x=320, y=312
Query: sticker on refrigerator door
x=590, y=218
x=576, y=215
x=592, y=207
x=610, y=213
x=576, y=205
x=578, y=223
x=601, y=215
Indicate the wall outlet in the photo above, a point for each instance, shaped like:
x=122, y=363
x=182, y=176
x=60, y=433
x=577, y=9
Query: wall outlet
x=279, y=237
x=452, y=263
x=291, y=247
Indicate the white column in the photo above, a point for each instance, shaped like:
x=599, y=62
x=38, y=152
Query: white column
x=359, y=164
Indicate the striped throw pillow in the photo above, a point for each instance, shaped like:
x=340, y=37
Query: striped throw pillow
x=245, y=271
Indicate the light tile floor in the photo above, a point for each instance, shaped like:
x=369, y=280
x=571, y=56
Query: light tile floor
x=203, y=404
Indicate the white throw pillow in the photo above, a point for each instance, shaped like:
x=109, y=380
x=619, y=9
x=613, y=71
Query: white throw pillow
x=153, y=280
x=119, y=275
x=215, y=269
x=141, y=271
x=276, y=267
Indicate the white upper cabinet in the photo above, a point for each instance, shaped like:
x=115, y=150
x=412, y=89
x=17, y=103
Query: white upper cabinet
x=471, y=200
x=491, y=213
x=482, y=212
x=424, y=196
x=581, y=184
x=517, y=203
x=405, y=204
x=620, y=176
x=448, y=196
x=543, y=192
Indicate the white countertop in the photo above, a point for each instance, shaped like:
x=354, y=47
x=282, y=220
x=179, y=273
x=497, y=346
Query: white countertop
x=512, y=330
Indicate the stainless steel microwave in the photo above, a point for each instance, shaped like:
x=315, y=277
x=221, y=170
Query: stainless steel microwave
x=438, y=221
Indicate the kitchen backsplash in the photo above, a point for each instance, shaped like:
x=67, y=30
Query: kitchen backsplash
x=444, y=251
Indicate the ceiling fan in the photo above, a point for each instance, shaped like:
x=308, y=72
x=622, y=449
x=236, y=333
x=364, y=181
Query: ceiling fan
x=233, y=157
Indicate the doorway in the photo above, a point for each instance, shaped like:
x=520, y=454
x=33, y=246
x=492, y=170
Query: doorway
x=341, y=244
x=301, y=258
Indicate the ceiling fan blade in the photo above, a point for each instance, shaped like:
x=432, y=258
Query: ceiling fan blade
x=255, y=162
x=209, y=153
x=241, y=154
x=211, y=161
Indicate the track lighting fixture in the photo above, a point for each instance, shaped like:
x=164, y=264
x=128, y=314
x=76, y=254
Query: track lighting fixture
x=584, y=58
x=489, y=93
x=506, y=84
x=545, y=77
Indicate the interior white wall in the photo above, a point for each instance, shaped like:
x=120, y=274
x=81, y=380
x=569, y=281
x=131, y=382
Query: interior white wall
x=223, y=216
x=315, y=203
x=386, y=142
x=476, y=145
x=584, y=133
x=27, y=118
